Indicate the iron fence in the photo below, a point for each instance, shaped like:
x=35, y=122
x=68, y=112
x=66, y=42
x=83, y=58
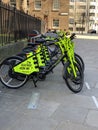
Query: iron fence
x=15, y=25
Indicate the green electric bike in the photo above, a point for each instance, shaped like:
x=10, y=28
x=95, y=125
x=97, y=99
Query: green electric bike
x=39, y=59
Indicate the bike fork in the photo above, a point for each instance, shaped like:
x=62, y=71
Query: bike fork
x=73, y=68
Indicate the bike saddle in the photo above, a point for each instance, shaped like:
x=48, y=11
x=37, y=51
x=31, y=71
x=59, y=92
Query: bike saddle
x=40, y=41
x=31, y=44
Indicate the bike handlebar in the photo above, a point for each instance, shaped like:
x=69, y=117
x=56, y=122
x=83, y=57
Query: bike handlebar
x=41, y=38
x=73, y=35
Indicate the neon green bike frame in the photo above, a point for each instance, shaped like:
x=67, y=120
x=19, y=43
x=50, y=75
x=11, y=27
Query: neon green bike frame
x=34, y=61
x=67, y=46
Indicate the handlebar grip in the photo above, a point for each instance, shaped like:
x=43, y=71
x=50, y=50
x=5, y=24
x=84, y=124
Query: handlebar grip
x=72, y=36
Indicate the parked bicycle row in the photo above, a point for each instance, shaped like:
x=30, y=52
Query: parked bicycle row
x=41, y=55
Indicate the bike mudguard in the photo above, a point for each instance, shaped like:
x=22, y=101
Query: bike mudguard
x=27, y=66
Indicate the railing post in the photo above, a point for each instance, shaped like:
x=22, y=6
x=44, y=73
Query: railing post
x=1, y=24
x=15, y=31
x=15, y=25
x=0, y=18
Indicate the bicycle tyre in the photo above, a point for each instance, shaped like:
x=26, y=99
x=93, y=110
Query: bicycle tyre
x=81, y=61
x=22, y=55
x=8, y=77
x=74, y=84
x=77, y=61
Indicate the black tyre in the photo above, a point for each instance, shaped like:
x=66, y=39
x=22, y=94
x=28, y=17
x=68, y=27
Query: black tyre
x=22, y=55
x=81, y=61
x=75, y=84
x=77, y=61
x=8, y=77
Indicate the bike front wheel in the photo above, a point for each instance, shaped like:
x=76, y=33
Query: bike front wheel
x=79, y=58
x=75, y=84
x=8, y=77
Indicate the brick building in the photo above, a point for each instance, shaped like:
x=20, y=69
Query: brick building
x=5, y=1
x=54, y=13
x=22, y=5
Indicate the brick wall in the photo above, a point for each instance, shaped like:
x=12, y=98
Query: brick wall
x=47, y=9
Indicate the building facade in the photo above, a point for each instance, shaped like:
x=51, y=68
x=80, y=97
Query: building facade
x=93, y=14
x=5, y=1
x=77, y=15
x=83, y=15
x=54, y=13
x=22, y=5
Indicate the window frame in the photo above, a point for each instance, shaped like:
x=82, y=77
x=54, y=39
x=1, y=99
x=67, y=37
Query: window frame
x=56, y=25
x=35, y=5
x=56, y=4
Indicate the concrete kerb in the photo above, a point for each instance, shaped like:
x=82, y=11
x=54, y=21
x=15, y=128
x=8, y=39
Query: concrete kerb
x=86, y=36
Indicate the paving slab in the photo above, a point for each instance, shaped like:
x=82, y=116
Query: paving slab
x=69, y=113
x=92, y=118
x=58, y=108
x=81, y=101
x=96, y=86
x=68, y=125
x=31, y=123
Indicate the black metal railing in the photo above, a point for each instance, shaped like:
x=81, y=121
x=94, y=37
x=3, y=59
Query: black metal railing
x=15, y=25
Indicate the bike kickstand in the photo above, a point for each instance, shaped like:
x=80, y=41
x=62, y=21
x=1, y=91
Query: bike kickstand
x=35, y=81
x=35, y=84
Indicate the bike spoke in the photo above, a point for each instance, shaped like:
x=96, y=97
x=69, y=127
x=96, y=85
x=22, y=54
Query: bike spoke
x=9, y=81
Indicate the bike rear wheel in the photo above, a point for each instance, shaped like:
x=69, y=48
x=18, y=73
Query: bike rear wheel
x=8, y=77
x=75, y=84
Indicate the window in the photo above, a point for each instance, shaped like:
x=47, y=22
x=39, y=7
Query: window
x=81, y=7
x=92, y=0
x=71, y=7
x=55, y=22
x=72, y=0
x=13, y=2
x=91, y=14
x=37, y=4
x=70, y=28
x=92, y=7
x=91, y=21
x=56, y=4
x=71, y=20
x=27, y=2
x=78, y=0
x=80, y=29
x=81, y=0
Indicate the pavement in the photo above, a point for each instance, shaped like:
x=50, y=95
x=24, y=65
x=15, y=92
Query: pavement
x=51, y=105
x=87, y=36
